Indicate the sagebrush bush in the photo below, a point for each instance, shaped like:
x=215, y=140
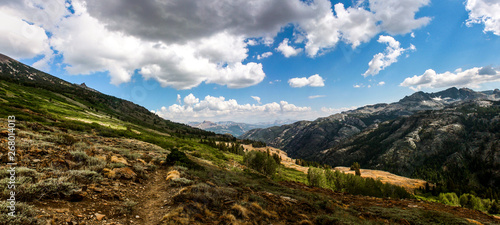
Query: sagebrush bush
x=89, y=162
x=25, y=214
x=52, y=188
x=128, y=207
x=212, y=197
x=140, y=170
x=22, y=172
x=80, y=146
x=181, y=182
x=64, y=139
x=83, y=176
x=79, y=156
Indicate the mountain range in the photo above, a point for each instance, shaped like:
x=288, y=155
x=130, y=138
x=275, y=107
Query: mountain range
x=449, y=137
x=234, y=128
x=303, y=137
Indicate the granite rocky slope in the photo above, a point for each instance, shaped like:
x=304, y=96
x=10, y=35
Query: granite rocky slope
x=305, y=138
x=457, y=147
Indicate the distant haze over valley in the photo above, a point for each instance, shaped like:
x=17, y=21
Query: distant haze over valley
x=234, y=128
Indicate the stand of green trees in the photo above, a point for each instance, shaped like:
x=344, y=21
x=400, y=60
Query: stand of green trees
x=262, y=162
x=352, y=184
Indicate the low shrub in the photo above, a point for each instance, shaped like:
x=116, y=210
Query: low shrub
x=128, y=207
x=22, y=172
x=89, y=162
x=212, y=197
x=51, y=188
x=449, y=199
x=83, y=176
x=179, y=158
x=64, y=139
x=140, y=170
x=25, y=214
x=181, y=182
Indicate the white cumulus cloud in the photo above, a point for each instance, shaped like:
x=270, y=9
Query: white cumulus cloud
x=256, y=98
x=382, y=60
x=182, y=44
x=313, y=81
x=355, y=25
x=288, y=50
x=398, y=16
x=20, y=39
x=467, y=78
x=222, y=109
x=264, y=55
x=485, y=12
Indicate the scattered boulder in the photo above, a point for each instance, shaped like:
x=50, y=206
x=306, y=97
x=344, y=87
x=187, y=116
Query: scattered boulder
x=99, y=217
x=125, y=172
x=101, y=157
x=173, y=174
x=116, y=159
x=109, y=173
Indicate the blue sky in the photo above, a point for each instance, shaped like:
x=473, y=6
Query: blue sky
x=261, y=60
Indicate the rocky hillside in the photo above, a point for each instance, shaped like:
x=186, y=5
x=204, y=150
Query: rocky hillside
x=457, y=147
x=305, y=138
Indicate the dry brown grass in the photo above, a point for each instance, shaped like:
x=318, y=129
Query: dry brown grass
x=305, y=222
x=228, y=219
x=176, y=216
x=255, y=207
x=240, y=211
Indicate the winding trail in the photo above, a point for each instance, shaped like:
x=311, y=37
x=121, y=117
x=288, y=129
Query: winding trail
x=154, y=198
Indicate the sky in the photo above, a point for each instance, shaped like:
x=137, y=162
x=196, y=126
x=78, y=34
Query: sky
x=257, y=60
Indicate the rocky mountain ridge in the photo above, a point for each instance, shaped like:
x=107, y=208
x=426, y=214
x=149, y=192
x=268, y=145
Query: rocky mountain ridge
x=303, y=138
x=234, y=128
